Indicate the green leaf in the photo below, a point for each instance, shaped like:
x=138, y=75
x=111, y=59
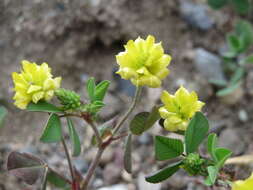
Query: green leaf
x=245, y=32
x=96, y=106
x=222, y=154
x=211, y=145
x=164, y=173
x=220, y=83
x=43, y=106
x=90, y=87
x=52, y=132
x=152, y=118
x=241, y=6
x=229, y=55
x=56, y=180
x=229, y=89
x=196, y=132
x=128, y=154
x=144, y=121
x=233, y=43
x=101, y=90
x=3, y=114
x=212, y=175
x=138, y=123
x=25, y=166
x=74, y=138
x=167, y=148
x=238, y=75
x=217, y=4
x=247, y=60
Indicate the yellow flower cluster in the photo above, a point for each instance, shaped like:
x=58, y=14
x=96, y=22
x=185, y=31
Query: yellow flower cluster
x=178, y=109
x=243, y=185
x=143, y=62
x=34, y=83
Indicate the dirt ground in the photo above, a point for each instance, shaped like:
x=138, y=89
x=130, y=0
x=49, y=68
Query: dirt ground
x=80, y=38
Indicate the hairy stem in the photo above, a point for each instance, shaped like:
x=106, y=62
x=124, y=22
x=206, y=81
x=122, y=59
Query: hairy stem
x=130, y=110
x=96, y=132
x=69, y=159
x=92, y=168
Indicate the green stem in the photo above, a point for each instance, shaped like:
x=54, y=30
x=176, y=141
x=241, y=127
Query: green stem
x=69, y=159
x=130, y=110
x=44, y=184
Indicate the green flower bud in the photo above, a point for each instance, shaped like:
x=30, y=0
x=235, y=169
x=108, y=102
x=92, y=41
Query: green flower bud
x=194, y=164
x=69, y=99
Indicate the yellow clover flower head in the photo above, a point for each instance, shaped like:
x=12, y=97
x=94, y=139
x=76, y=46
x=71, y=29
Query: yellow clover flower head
x=243, y=185
x=34, y=83
x=178, y=109
x=143, y=62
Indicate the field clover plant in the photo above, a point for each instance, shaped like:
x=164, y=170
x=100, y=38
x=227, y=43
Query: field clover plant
x=235, y=60
x=145, y=64
x=241, y=6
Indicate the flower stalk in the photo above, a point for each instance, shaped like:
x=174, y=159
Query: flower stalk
x=68, y=159
x=130, y=110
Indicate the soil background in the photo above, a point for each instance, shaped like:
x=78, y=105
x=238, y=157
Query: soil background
x=79, y=39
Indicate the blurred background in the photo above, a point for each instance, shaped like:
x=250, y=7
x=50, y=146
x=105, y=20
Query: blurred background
x=80, y=38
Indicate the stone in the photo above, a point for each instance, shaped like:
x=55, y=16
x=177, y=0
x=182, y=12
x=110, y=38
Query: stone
x=111, y=173
x=115, y=187
x=176, y=181
x=145, y=139
x=112, y=106
x=209, y=65
x=249, y=82
x=154, y=95
x=198, y=84
x=196, y=15
x=243, y=115
x=107, y=155
x=231, y=139
x=123, y=86
x=29, y=149
x=142, y=184
x=81, y=165
x=234, y=97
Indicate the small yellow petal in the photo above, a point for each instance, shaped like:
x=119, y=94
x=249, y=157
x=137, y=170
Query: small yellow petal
x=33, y=88
x=37, y=96
x=243, y=184
x=170, y=126
x=164, y=112
x=127, y=73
